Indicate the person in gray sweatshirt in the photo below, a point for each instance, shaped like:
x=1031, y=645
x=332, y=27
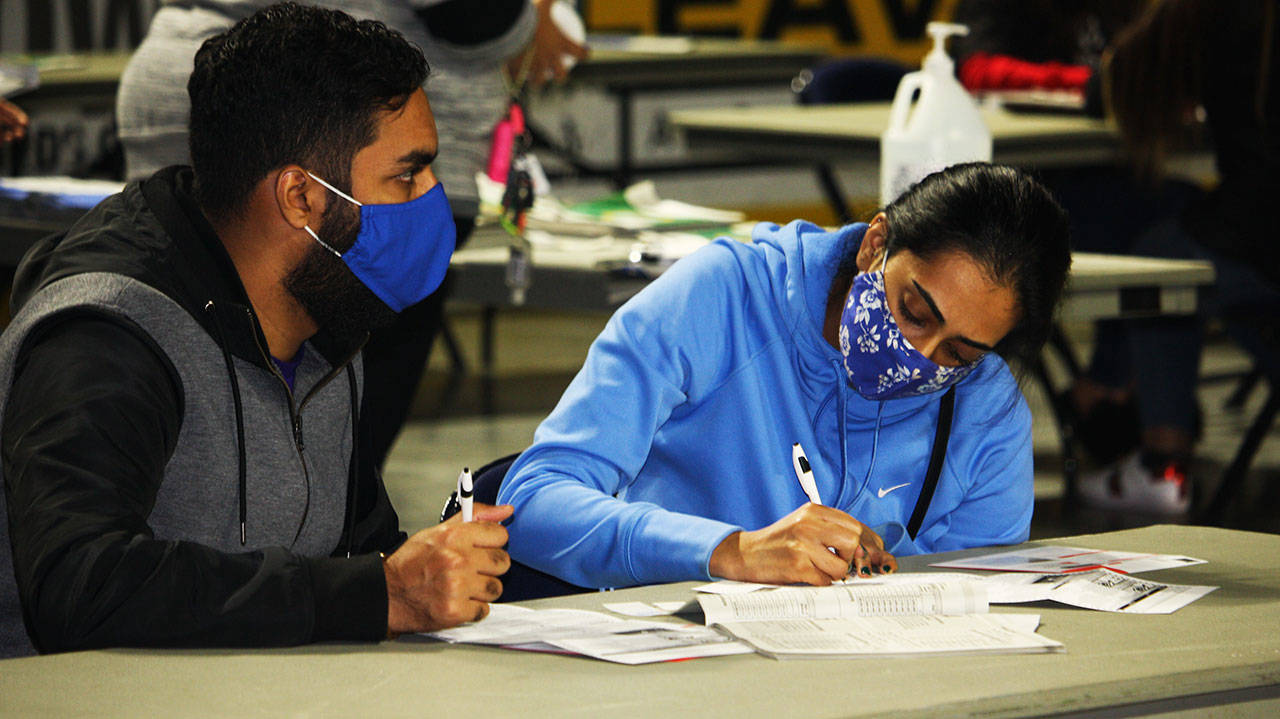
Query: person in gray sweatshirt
x=467, y=43
x=180, y=387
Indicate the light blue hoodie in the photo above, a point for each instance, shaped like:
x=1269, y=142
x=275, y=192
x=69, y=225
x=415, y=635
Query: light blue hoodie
x=678, y=429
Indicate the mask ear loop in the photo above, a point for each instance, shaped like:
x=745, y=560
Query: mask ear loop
x=323, y=244
x=336, y=191
x=339, y=193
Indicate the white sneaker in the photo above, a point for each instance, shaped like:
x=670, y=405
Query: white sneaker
x=1129, y=485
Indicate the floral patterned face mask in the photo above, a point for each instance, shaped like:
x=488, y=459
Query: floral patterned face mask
x=880, y=362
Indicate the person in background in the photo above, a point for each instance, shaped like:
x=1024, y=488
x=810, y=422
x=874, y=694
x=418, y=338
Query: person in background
x=182, y=460
x=13, y=122
x=1222, y=57
x=467, y=42
x=670, y=455
x=1059, y=45
x=1038, y=44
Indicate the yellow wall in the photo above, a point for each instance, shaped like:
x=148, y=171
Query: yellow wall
x=891, y=28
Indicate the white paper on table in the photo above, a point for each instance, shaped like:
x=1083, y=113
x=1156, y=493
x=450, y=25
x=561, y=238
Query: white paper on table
x=655, y=645
x=912, y=578
x=894, y=636
x=649, y=609
x=1004, y=588
x=510, y=624
x=1060, y=560
x=843, y=600
x=1019, y=587
x=643, y=197
x=732, y=586
x=1019, y=622
x=670, y=246
x=1110, y=591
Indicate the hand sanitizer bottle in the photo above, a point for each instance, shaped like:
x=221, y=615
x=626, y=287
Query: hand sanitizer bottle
x=943, y=127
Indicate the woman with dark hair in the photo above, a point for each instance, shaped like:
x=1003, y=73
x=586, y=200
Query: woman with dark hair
x=1181, y=58
x=670, y=456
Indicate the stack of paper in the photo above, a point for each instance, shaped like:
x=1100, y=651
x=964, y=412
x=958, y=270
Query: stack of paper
x=592, y=634
x=895, y=615
x=874, y=620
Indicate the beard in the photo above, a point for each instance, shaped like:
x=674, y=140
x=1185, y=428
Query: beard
x=329, y=291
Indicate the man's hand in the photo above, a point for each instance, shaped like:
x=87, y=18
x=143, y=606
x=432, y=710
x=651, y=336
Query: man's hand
x=447, y=575
x=794, y=549
x=543, y=60
x=13, y=122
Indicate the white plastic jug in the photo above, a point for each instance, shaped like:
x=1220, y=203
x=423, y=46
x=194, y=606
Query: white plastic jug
x=944, y=129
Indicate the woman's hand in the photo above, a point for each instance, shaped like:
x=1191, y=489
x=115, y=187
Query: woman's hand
x=794, y=549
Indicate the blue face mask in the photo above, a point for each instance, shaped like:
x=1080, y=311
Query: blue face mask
x=880, y=362
x=402, y=249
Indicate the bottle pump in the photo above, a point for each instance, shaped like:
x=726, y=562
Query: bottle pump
x=942, y=127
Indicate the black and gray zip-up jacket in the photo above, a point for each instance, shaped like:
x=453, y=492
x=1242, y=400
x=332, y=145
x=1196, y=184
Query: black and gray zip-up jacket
x=163, y=486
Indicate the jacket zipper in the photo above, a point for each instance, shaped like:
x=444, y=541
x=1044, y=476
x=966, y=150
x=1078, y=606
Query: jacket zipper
x=295, y=412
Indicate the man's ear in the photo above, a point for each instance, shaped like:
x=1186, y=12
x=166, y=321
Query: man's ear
x=300, y=199
x=873, y=243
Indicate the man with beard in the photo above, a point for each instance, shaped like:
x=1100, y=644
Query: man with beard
x=181, y=382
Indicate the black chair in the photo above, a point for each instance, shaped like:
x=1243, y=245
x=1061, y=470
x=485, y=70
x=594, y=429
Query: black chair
x=1258, y=331
x=521, y=581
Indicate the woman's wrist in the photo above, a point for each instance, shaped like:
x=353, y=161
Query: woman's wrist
x=726, y=558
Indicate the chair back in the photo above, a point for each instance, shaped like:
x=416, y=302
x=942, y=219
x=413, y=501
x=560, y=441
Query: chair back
x=857, y=79
x=521, y=581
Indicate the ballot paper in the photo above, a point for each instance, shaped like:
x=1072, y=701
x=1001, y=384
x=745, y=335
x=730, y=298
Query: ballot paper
x=1060, y=560
x=873, y=619
x=655, y=645
x=846, y=600
x=1100, y=589
x=652, y=609
x=899, y=636
x=591, y=634
x=733, y=586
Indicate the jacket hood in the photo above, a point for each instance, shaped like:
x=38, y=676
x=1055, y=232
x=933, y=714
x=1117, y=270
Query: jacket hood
x=155, y=232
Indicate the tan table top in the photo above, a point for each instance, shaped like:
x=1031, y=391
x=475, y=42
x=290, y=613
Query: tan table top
x=852, y=132
x=1224, y=642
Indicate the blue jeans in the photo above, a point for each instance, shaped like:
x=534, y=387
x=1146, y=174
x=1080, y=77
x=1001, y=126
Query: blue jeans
x=1109, y=212
x=1166, y=350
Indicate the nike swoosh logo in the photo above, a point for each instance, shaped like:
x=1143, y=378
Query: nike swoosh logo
x=885, y=490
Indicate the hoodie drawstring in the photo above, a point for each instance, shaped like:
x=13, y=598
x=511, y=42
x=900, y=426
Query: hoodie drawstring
x=875, y=446
x=353, y=479
x=235, y=397
x=843, y=406
x=242, y=485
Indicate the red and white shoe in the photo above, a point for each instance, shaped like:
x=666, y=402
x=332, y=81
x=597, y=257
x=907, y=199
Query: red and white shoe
x=1132, y=485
